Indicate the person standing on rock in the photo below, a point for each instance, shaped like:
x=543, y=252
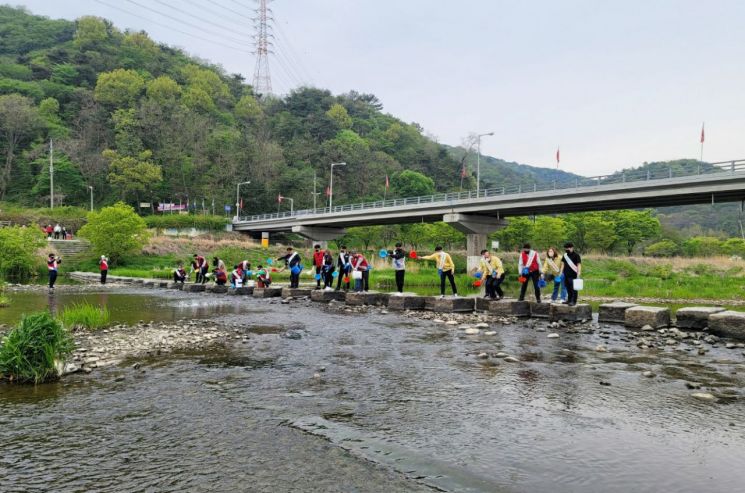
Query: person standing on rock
x=328, y=270
x=53, y=262
x=292, y=262
x=445, y=268
x=399, y=266
x=318, y=264
x=103, y=265
x=529, y=267
x=57, y=231
x=492, y=273
x=344, y=262
x=201, y=268
x=571, y=268
x=360, y=272
x=552, y=272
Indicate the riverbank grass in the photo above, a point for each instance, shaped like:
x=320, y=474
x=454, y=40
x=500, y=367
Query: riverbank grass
x=29, y=352
x=84, y=315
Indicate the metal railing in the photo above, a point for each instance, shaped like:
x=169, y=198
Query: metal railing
x=635, y=176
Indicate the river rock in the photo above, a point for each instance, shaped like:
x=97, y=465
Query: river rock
x=577, y=313
x=242, y=291
x=728, y=324
x=695, y=317
x=614, y=312
x=703, y=396
x=472, y=331
x=482, y=356
x=493, y=333
x=511, y=359
x=501, y=355
x=552, y=335
x=639, y=316
x=649, y=374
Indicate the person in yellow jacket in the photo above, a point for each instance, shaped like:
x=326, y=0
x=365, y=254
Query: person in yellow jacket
x=492, y=274
x=445, y=268
x=552, y=272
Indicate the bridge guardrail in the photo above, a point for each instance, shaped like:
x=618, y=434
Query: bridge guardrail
x=668, y=173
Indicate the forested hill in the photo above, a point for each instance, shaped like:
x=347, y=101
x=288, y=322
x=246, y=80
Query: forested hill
x=142, y=121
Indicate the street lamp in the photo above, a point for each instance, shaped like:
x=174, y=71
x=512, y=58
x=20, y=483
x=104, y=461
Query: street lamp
x=91, y=189
x=331, y=187
x=478, y=161
x=238, y=197
x=292, y=203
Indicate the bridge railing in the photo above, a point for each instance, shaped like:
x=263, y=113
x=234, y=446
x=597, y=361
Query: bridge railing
x=684, y=170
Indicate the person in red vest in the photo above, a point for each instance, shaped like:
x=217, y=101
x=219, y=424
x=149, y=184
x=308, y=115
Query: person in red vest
x=318, y=264
x=529, y=267
x=103, y=264
x=359, y=264
x=202, y=267
x=53, y=262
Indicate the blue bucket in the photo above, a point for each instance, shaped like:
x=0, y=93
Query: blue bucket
x=542, y=283
x=318, y=277
x=559, y=278
x=526, y=271
x=478, y=275
x=383, y=253
x=296, y=270
x=269, y=261
x=334, y=274
x=249, y=273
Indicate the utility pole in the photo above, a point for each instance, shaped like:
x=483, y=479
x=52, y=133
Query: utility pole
x=262, y=81
x=91, y=189
x=51, y=174
x=315, y=194
x=331, y=187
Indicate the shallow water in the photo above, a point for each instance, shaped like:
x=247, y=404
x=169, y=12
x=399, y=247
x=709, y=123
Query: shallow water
x=396, y=395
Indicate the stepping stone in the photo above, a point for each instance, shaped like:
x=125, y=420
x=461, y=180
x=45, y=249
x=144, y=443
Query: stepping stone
x=148, y=284
x=197, y=288
x=450, y=304
x=695, y=317
x=407, y=302
x=295, y=292
x=219, y=289
x=614, y=313
x=176, y=285
x=483, y=304
x=163, y=284
x=654, y=316
x=323, y=296
x=728, y=324
x=242, y=291
x=509, y=307
x=577, y=313
x=267, y=292
x=540, y=310
x=354, y=298
x=138, y=281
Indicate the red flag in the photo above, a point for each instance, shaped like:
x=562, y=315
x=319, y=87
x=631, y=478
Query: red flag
x=328, y=191
x=387, y=183
x=241, y=207
x=702, y=133
x=557, y=157
x=279, y=198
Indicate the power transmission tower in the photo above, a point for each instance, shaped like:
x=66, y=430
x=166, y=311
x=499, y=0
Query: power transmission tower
x=262, y=81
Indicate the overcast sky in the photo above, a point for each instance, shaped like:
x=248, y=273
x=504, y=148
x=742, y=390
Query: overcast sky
x=614, y=83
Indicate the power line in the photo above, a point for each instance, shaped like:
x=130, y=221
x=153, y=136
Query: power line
x=219, y=15
x=192, y=35
x=219, y=26
x=292, y=52
x=233, y=11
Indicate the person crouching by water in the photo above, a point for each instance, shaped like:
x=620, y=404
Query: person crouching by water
x=53, y=262
x=360, y=272
x=399, y=266
x=292, y=262
x=552, y=272
x=103, y=265
x=263, y=277
x=529, y=267
x=344, y=262
x=492, y=273
x=571, y=268
x=221, y=276
x=179, y=274
x=445, y=268
x=236, y=277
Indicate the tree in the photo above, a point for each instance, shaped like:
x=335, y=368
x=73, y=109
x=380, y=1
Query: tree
x=69, y=184
x=410, y=183
x=633, y=227
x=444, y=234
x=339, y=115
x=134, y=176
x=518, y=231
x=18, y=119
x=549, y=231
x=163, y=90
x=600, y=234
x=365, y=235
x=248, y=109
x=119, y=88
x=702, y=246
x=91, y=31
x=18, y=247
x=115, y=231
x=664, y=248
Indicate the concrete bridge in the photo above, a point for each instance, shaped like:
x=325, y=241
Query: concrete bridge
x=478, y=215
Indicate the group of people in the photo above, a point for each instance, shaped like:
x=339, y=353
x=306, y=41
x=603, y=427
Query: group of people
x=345, y=267
x=57, y=232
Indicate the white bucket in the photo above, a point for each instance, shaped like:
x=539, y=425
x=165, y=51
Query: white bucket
x=578, y=284
x=357, y=274
x=250, y=284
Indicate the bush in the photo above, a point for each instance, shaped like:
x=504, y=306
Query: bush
x=115, y=231
x=84, y=315
x=178, y=221
x=663, y=271
x=664, y=248
x=18, y=246
x=702, y=246
x=30, y=351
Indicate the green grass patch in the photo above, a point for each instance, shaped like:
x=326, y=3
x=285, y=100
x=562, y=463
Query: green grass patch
x=29, y=352
x=84, y=315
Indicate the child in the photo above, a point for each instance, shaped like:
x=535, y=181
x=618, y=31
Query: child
x=529, y=267
x=445, y=268
x=492, y=272
x=552, y=272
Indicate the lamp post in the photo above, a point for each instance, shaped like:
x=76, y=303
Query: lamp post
x=331, y=186
x=238, y=197
x=91, y=189
x=478, y=160
x=292, y=203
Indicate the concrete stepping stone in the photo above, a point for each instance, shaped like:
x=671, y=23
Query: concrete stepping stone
x=176, y=285
x=323, y=296
x=219, y=289
x=728, y=324
x=355, y=298
x=296, y=292
x=654, y=316
x=580, y=312
x=696, y=317
x=267, y=292
x=450, y=304
x=509, y=307
x=407, y=301
x=614, y=313
x=242, y=291
x=540, y=310
x=196, y=288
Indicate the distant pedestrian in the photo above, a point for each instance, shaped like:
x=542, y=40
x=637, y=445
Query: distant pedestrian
x=571, y=268
x=529, y=267
x=200, y=266
x=64, y=233
x=445, y=269
x=53, y=262
x=399, y=266
x=103, y=265
x=327, y=270
x=49, y=230
x=57, y=231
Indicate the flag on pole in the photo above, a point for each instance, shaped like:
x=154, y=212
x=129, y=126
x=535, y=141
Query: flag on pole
x=557, y=157
x=387, y=183
x=702, y=133
x=279, y=198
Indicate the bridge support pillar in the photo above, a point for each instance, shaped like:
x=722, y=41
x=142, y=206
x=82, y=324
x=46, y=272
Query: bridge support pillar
x=319, y=234
x=476, y=229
